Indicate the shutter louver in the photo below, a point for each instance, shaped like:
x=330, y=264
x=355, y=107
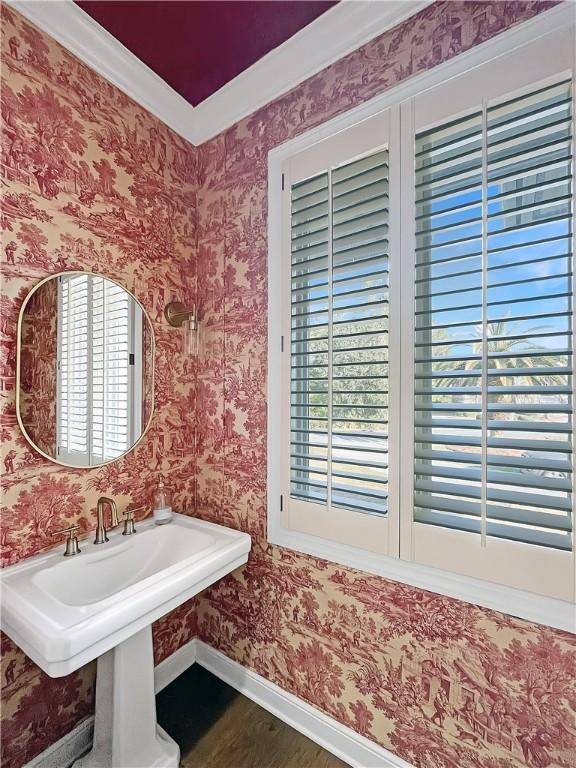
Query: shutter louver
x=310, y=233
x=339, y=381
x=493, y=332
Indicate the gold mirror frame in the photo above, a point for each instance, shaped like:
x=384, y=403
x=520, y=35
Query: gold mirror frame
x=19, y=367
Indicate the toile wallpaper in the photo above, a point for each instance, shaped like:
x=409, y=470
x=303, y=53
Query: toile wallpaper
x=91, y=180
x=441, y=683
x=39, y=372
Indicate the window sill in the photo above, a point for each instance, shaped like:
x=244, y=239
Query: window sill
x=513, y=602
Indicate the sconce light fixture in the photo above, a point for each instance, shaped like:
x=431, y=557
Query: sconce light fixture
x=180, y=316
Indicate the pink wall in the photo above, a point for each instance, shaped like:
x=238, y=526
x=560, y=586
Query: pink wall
x=441, y=683
x=38, y=379
x=90, y=181
x=370, y=652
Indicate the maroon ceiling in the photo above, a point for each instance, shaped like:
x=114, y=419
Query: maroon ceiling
x=197, y=46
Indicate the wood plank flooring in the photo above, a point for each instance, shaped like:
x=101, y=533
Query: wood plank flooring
x=218, y=728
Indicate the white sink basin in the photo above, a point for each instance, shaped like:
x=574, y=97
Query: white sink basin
x=107, y=571
x=65, y=611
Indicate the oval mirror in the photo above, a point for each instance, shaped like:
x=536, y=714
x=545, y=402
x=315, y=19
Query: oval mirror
x=85, y=369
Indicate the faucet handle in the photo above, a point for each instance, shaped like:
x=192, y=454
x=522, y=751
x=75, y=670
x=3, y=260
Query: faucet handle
x=129, y=528
x=72, y=547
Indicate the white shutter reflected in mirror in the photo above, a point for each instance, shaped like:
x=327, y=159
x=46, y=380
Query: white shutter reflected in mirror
x=73, y=366
x=99, y=328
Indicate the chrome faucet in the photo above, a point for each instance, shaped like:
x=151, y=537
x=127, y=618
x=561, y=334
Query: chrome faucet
x=101, y=537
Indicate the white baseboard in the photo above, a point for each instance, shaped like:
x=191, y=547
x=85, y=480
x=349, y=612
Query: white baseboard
x=66, y=750
x=173, y=666
x=349, y=746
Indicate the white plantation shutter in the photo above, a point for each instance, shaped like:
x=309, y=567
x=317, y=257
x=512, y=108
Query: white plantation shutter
x=493, y=440
x=110, y=370
x=339, y=336
x=97, y=326
x=73, y=366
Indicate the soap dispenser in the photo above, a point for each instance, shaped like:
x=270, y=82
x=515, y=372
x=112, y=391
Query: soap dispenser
x=162, y=505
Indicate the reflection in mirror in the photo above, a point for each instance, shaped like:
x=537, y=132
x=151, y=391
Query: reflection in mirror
x=85, y=369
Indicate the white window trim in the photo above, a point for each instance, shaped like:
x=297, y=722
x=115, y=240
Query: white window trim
x=527, y=605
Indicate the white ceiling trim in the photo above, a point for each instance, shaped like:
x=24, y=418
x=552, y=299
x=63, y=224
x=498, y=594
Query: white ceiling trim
x=342, y=29
x=67, y=23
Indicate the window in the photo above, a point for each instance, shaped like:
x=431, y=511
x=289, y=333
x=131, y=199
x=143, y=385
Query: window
x=98, y=324
x=493, y=336
x=426, y=312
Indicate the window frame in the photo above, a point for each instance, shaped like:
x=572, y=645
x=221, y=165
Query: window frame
x=523, y=54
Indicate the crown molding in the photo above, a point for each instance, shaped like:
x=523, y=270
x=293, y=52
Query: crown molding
x=342, y=29
x=73, y=28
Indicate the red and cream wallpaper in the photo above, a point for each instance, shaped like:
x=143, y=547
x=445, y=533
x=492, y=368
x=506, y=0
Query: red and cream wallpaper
x=441, y=683
x=38, y=382
x=91, y=180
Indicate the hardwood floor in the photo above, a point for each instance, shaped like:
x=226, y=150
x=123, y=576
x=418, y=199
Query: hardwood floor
x=216, y=727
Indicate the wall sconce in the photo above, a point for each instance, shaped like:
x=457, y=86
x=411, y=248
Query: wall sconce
x=180, y=317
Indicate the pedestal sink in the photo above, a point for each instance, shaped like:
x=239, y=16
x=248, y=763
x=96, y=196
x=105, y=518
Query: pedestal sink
x=65, y=611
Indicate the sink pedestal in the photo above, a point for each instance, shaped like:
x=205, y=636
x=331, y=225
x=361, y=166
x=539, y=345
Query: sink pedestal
x=126, y=734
